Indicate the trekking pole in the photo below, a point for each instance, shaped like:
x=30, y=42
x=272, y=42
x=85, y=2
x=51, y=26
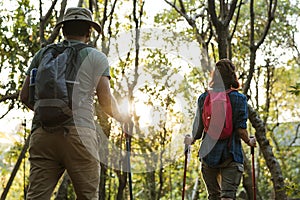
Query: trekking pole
x=128, y=131
x=24, y=160
x=253, y=173
x=186, y=152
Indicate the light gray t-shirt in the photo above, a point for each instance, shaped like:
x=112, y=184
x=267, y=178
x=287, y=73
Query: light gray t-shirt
x=94, y=65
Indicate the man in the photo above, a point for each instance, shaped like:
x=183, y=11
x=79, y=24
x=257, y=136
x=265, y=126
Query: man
x=74, y=147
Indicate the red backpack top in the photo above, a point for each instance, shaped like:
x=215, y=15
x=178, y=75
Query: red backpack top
x=217, y=115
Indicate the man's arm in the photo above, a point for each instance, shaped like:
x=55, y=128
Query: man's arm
x=24, y=94
x=108, y=102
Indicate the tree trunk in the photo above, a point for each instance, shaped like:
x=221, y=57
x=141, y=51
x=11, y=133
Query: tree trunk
x=223, y=46
x=150, y=184
x=266, y=149
x=161, y=181
x=247, y=180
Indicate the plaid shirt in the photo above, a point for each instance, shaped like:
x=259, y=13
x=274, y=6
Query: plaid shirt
x=214, y=152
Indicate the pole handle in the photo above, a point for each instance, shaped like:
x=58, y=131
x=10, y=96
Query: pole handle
x=128, y=129
x=252, y=148
x=186, y=149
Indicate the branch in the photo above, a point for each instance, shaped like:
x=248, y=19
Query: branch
x=55, y=31
x=91, y=5
x=13, y=96
x=214, y=17
x=137, y=46
x=80, y=2
x=105, y=46
x=212, y=11
x=192, y=22
x=274, y=138
x=210, y=35
x=141, y=13
x=182, y=6
x=48, y=14
x=43, y=20
x=175, y=7
x=269, y=77
x=271, y=14
x=103, y=21
x=252, y=46
x=182, y=12
x=41, y=30
x=104, y=18
x=199, y=37
x=296, y=136
x=11, y=106
x=294, y=45
x=6, y=113
x=236, y=20
x=135, y=19
x=231, y=12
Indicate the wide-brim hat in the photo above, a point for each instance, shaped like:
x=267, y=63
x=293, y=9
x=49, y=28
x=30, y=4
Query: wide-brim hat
x=79, y=14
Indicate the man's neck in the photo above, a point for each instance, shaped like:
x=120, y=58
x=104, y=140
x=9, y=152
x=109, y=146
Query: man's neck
x=79, y=38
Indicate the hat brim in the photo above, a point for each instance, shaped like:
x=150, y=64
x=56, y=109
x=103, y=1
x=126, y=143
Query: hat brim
x=96, y=26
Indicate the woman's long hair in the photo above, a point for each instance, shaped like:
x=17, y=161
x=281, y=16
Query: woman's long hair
x=224, y=75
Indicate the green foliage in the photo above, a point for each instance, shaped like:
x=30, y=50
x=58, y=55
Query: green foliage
x=288, y=147
x=295, y=89
x=18, y=44
x=9, y=157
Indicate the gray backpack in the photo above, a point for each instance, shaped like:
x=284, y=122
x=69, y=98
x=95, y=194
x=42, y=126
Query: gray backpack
x=54, y=83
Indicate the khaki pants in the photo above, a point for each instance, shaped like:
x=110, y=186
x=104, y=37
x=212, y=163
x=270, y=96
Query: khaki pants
x=222, y=181
x=76, y=151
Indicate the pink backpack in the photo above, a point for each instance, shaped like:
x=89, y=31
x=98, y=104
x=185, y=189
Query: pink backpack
x=217, y=115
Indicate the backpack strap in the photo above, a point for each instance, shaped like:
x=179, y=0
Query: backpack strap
x=231, y=90
x=74, y=61
x=60, y=47
x=230, y=139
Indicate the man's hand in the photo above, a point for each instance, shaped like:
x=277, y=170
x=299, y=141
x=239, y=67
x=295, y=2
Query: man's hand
x=123, y=117
x=188, y=139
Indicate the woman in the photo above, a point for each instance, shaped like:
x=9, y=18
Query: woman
x=222, y=159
